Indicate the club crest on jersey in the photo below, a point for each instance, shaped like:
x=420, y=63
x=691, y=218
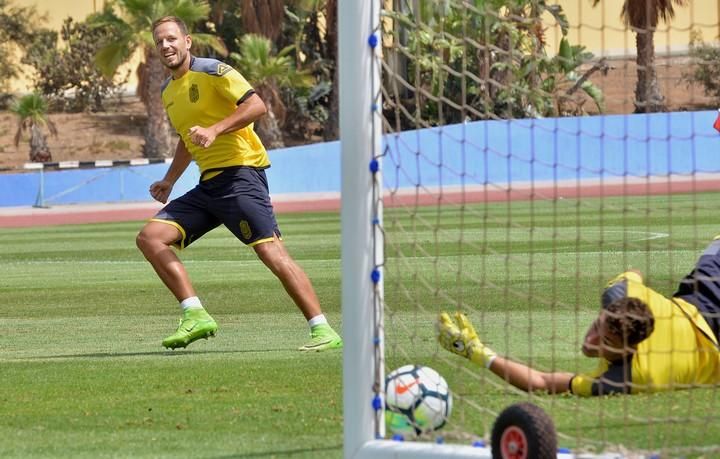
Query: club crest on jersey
x=194, y=93
x=222, y=69
x=245, y=229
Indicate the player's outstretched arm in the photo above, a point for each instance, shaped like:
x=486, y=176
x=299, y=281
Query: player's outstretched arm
x=459, y=337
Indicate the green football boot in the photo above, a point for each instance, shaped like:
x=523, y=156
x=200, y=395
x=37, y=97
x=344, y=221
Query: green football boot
x=322, y=337
x=195, y=324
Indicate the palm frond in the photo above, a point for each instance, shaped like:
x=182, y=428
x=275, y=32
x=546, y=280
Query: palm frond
x=51, y=126
x=211, y=41
x=31, y=109
x=31, y=105
x=140, y=13
x=111, y=56
x=260, y=66
x=134, y=20
x=643, y=14
x=18, y=132
x=190, y=11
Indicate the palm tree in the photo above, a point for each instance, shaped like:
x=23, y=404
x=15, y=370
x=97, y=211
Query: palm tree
x=267, y=73
x=332, y=128
x=263, y=17
x=643, y=16
x=134, y=23
x=32, y=113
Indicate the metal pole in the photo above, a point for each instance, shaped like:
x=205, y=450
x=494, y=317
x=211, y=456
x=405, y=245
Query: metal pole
x=357, y=20
x=40, y=199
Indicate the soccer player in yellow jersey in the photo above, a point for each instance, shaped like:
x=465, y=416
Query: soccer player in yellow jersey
x=644, y=341
x=213, y=108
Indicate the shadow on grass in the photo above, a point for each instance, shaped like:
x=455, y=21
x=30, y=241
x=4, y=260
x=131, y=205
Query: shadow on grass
x=286, y=453
x=176, y=353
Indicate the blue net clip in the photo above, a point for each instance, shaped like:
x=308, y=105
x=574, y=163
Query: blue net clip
x=373, y=41
x=377, y=403
x=374, y=165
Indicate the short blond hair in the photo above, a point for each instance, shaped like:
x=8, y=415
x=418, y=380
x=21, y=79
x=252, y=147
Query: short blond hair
x=180, y=23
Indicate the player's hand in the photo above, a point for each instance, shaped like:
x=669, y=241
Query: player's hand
x=202, y=137
x=459, y=337
x=160, y=190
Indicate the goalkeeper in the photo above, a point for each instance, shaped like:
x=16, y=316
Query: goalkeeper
x=644, y=341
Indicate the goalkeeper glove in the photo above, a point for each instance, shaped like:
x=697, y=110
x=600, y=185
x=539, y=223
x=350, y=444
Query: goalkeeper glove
x=459, y=337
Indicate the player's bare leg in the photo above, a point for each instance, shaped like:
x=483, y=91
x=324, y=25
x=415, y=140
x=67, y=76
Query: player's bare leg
x=154, y=241
x=297, y=284
x=293, y=278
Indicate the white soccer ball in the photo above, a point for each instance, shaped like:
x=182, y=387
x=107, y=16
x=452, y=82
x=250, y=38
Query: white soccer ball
x=417, y=401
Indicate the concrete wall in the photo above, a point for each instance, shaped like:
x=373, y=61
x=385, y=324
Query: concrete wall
x=472, y=154
x=601, y=30
x=555, y=149
x=55, y=12
x=305, y=169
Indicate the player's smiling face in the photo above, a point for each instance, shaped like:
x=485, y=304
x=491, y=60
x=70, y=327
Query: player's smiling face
x=172, y=45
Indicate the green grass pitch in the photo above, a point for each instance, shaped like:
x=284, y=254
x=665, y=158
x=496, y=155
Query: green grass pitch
x=82, y=372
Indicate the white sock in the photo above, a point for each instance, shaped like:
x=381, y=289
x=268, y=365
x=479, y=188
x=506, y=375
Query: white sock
x=191, y=303
x=317, y=320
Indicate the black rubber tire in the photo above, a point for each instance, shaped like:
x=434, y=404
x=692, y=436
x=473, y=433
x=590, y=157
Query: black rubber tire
x=524, y=431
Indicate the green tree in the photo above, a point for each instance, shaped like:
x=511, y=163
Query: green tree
x=267, y=72
x=15, y=32
x=483, y=59
x=643, y=16
x=32, y=116
x=65, y=75
x=311, y=25
x=706, y=65
x=133, y=19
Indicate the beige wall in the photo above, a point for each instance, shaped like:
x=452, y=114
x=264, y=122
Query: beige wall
x=56, y=12
x=602, y=31
x=599, y=29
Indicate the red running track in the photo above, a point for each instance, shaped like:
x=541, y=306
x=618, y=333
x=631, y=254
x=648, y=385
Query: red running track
x=19, y=217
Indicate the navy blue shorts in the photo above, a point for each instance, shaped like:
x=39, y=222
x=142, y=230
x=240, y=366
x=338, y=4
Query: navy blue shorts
x=702, y=286
x=237, y=198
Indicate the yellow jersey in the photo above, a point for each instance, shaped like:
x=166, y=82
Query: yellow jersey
x=209, y=92
x=681, y=352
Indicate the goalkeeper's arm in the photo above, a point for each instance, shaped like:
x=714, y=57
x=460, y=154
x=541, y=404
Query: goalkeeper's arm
x=459, y=337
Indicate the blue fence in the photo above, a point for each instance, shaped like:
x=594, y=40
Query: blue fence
x=472, y=153
x=556, y=149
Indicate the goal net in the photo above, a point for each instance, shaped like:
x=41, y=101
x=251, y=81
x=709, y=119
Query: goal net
x=501, y=159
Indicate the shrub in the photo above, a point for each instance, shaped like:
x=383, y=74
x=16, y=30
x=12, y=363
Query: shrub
x=705, y=65
x=15, y=31
x=67, y=75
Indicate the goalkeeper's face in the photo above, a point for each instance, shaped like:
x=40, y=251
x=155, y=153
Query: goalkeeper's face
x=172, y=45
x=601, y=342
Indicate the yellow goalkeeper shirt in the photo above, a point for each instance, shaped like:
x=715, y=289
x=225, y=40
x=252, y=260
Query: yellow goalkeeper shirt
x=209, y=92
x=681, y=352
